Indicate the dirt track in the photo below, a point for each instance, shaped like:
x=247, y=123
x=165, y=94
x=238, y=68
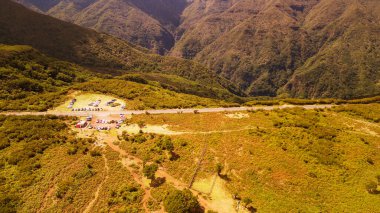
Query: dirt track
x=165, y=111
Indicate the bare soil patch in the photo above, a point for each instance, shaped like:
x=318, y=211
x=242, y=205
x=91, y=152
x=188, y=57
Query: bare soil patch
x=238, y=115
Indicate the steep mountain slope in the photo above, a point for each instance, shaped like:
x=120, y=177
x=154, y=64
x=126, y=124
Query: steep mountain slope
x=260, y=44
x=348, y=63
x=301, y=48
x=66, y=41
x=33, y=81
x=144, y=22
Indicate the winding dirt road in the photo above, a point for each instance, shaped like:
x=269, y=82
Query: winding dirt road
x=166, y=111
x=128, y=159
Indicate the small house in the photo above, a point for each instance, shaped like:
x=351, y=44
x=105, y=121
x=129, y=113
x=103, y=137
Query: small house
x=81, y=124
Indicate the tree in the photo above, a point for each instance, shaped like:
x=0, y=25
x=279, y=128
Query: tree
x=219, y=168
x=372, y=188
x=150, y=171
x=247, y=201
x=181, y=202
x=165, y=143
x=141, y=124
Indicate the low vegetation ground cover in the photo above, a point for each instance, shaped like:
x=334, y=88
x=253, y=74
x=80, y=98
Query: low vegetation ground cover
x=140, y=96
x=182, y=85
x=44, y=166
x=294, y=101
x=282, y=160
x=35, y=82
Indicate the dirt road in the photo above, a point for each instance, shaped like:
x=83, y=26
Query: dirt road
x=165, y=111
x=128, y=160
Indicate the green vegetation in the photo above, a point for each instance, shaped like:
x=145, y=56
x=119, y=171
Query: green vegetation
x=279, y=160
x=181, y=202
x=25, y=141
x=219, y=168
x=30, y=80
x=272, y=160
x=290, y=160
x=292, y=49
x=126, y=194
x=142, y=96
x=370, y=112
x=150, y=171
x=289, y=57
x=150, y=147
x=91, y=49
x=182, y=85
x=44, y=166
x=279, y=101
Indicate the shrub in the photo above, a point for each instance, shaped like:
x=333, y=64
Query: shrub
x=372, y=188
x=181, y=202
x=4, y=144
x=63, y=188
x=219, y=168
x=140, y=138
x=165, y=143
x=8, y=203
x=141, y=124
x=95, y=153
x=150, y=171
x=247, y=201
x=72, y=150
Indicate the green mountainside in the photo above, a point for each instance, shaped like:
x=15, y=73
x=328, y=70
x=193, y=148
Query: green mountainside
x=316, y=48
x=33, y=81
x=148, y=23
x=281, y=99
x=307, y=49
x=30, y=80
x=100, y=52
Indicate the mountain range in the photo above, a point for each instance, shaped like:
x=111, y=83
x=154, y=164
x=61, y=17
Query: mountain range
x=308, y=48
x=103, y=53
x=148, y=23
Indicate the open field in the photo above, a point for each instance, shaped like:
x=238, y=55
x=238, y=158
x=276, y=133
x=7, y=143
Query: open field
x=84, y=99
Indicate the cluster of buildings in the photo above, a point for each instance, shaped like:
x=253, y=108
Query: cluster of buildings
x=81, y=124
x=102, y=124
